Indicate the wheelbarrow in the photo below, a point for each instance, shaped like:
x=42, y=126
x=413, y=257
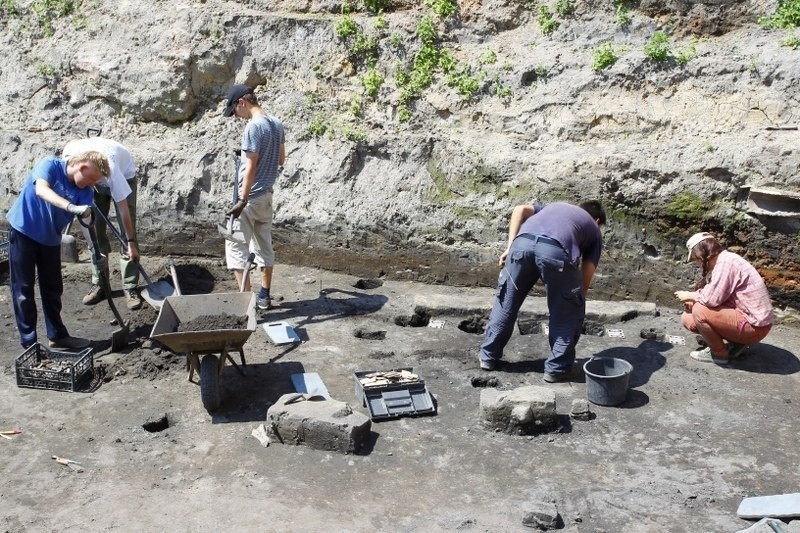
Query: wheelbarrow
x=207, y=351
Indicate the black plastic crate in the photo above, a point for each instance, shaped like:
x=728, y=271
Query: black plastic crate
x=3, y=246
x=391, y=400
x=71, y=369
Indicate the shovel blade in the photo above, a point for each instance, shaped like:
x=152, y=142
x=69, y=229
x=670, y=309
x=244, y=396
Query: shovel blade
x=119, y=338
x=155, y=293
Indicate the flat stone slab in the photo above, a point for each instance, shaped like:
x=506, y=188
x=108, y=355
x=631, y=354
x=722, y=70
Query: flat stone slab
x=534, y=307
x=317, y=422
x=778, y=506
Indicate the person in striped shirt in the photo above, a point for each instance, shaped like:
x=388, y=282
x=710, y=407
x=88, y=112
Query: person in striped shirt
x=730, y=306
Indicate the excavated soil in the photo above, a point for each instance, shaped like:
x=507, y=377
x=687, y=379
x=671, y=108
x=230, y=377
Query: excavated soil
x=688, y=444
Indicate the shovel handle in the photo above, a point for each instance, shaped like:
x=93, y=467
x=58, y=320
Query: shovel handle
x=101, y=271
x=246, y=272
x=174, y=275
x=122, y=241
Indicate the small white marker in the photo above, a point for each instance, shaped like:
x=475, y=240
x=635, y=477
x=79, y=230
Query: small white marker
x=546, y=328
x=676, y=339
x=436, y=324
x=616, y=333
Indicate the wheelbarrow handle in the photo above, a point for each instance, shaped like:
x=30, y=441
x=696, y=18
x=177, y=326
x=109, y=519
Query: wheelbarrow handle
x=121, y=240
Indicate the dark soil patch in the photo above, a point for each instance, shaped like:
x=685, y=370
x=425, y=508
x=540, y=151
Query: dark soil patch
x=474, y=324
x=212, y=322
x=368, y=284
x=418, y=320
x=360, y=333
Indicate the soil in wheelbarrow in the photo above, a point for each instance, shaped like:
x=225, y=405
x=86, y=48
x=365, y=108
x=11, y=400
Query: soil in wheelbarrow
x=213, y=322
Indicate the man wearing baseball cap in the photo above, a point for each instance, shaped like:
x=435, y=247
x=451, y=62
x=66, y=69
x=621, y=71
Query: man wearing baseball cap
x=263, y=154
x=730, y=306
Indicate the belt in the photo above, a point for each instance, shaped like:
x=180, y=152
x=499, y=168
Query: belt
x=540, y=238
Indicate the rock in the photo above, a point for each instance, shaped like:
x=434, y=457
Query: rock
x=542, y=516
x=317, y=422
x=529, y=409
x=580, y=409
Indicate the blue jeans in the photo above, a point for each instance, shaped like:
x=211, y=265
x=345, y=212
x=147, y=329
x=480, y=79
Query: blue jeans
x=26, y=258
x=532, y=258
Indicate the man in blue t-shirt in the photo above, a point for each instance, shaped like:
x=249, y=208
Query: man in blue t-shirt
x=54, y=192
x=263, y=156
x=559, y=243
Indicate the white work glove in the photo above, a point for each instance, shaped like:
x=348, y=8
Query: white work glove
x=81, y=211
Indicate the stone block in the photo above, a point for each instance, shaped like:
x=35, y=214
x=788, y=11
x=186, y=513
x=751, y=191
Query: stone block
x=524, y=410
x=580, y=409
x=542, y=516
x=317, y=422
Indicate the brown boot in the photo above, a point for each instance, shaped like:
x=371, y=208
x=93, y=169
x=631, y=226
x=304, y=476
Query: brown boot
x=95, y=295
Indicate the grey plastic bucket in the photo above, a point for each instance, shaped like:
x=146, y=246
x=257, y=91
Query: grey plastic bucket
x=607, y=380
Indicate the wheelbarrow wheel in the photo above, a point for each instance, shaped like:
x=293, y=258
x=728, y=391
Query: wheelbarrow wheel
x=209, y=382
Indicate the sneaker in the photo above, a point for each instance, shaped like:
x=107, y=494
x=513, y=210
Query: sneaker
x=132, y=299
x=263, y=303
x=95, y=295
x=736, y=350
x=570, y=374
x=704, y=355
x=69, y=343
x=491, y=364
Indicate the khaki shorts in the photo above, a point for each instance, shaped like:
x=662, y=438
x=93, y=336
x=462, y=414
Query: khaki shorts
x=255, y=223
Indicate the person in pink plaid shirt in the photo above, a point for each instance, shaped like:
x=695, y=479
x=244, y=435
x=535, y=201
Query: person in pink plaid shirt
x=730, y=307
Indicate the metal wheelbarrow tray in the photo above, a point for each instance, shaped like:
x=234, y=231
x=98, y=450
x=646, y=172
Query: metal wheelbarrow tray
x=178, y=309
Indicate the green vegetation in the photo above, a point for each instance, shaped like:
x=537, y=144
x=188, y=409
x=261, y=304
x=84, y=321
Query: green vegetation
x=372, y=82
x=380, y=22
x=442, y=8
x=686, y=207
x=317, y=128
x=395, y=40
x=377, y=6
x=564, y=7
x=464, y=82
x=46, y=71
x=684, y=55
x=488, y=56
x=9, y=8
x=658, y=48
x=546, y=21
x=346, y=26
x=46, y=11
x=355, y=106
x=623, y=14
x=354, y=134
x=787, y=15
x=792, y=41
x=605, y=56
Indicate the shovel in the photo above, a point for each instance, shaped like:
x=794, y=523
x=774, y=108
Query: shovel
x=155, y=293
x=227, y=230
x=119, y=337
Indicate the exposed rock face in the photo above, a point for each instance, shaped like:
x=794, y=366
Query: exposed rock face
x=670, y=148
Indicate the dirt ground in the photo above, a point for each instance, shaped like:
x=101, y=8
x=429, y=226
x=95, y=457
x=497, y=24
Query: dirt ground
x=689, y=443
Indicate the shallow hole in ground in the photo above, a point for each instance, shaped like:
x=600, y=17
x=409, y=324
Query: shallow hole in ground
x=418, y=320
x=156, y=424
x=371, y=283
x=474, y=324
x=361, y=333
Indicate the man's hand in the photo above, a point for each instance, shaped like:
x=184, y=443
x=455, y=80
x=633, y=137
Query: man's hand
x=684, y=296
x=133, y=251
x=80, y=211
x=237, y=209
x=503, y=257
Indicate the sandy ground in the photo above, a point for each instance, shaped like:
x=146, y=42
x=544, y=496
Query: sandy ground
x=679, y=455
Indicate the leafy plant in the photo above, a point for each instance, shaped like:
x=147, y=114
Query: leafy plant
x=546, y=21
x=403, y=113
x=46, y=71
x=623, y=16
x=317, y=127
x=9, y=8
x=346, y=26
x=605, y=56
x=488, y=56
x=684, y=55
x=464, y=82
x=354, y=134
x=442, y=8
x=787, y=15
x=686, y=207
x=377, y=6
x=46, y=11
x=355, y=106
x=498, y=89
x=380, y=22
x=395, y=40
x=564, y=7
x=658, y=48
x=372, y=82
x=792, y=41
